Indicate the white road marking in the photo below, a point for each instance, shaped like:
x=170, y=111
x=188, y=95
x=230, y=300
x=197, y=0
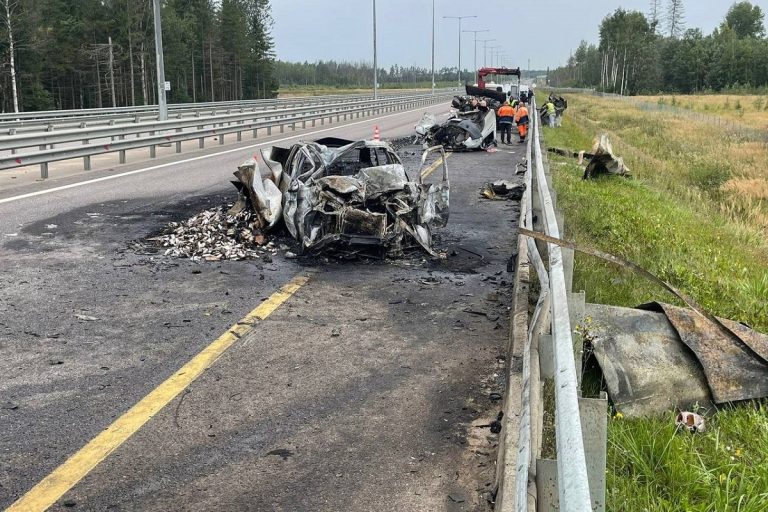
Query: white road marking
x=155, y=167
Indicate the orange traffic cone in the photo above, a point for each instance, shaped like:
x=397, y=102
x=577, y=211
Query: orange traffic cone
x=376, y=133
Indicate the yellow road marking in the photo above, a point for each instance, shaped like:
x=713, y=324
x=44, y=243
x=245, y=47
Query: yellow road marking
x=66, y=476
x=429, y=170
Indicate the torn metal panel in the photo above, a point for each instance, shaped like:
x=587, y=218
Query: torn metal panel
x=604, y=161
x=733, y=365
x=646, y=368
x=263, y=194
x=434, y=202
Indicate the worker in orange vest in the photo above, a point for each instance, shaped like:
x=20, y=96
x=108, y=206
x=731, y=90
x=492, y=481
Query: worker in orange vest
x=521, y=118
x=506, y=117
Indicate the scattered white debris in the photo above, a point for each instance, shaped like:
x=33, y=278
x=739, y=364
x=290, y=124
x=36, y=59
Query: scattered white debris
x=213, y=235
x=86, y=318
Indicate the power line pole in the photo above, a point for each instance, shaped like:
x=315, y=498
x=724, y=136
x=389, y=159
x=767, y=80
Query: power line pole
x=161, y=103
x=375, y=62
x=459, y=18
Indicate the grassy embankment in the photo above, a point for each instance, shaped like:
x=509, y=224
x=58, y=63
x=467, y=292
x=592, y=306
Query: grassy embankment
x=695, y=214
x=749, y=109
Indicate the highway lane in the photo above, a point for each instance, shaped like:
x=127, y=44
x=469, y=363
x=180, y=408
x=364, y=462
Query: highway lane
x=64, y=379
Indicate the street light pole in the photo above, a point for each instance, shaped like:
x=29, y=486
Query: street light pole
x=485, y=50
x=459, y=18
x=375, y=62
x=161, y=102
x=433, y=46
x=493, y=51
x=476, y=32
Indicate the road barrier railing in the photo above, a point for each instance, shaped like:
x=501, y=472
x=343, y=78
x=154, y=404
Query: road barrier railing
x=545, y=347
x=88, y=142
x=25, y=122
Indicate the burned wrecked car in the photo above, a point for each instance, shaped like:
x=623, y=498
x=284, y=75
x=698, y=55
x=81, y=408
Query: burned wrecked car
x=471, y=126
x=345, y=195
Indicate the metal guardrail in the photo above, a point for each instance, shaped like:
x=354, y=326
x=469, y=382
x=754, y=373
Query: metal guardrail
x=15, y=123
x=85, y=142
x=552, y=310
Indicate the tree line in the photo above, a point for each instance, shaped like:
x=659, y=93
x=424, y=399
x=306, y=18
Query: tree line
x=63, y=54
x=640, y=53
x=360, y=74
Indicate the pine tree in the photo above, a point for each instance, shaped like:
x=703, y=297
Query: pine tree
x=654, y=14
x=675, y=18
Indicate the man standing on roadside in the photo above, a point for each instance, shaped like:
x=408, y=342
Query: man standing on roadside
x=506, y=117
x=550, y=113
x=521, y=118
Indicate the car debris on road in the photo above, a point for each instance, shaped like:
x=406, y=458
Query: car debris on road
x=471, y=126
x=502, y=189
x=345, y=195
x=214, y=235
x=351, y=197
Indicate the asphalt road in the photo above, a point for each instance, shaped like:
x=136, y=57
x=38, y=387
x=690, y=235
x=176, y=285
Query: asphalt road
x=370, y=389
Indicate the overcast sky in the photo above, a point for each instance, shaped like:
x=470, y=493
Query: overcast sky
x=342, y=29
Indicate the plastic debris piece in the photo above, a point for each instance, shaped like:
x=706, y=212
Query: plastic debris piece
x=691, y=421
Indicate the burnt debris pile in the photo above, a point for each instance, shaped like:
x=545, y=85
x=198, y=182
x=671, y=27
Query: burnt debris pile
x=329, y=195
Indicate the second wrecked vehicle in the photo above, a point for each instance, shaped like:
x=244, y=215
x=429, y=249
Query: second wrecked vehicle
x=472, y=126
x=349, y=195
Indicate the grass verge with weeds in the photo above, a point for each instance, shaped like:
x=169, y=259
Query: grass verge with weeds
x=682, y=218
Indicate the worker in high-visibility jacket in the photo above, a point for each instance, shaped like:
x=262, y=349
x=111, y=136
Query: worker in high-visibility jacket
x=506, y=116
x=551, y=113
x=521, y=118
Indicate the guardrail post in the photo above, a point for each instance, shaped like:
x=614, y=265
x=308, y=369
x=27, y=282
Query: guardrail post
x=86, y=159
x=152, y=148
x=44, y=170
x=49, y=128
x=313, y=122
x=269, y=130
x=112, y=123
x=221, y=139
x=178, y=143
x=255, y=132
x=576, y=312
x=594, y=418
x=282, y=128
x=12, y=131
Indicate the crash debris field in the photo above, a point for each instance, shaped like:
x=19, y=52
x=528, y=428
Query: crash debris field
x=363, y=285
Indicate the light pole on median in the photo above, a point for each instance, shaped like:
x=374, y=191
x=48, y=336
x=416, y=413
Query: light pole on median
x=375, y=63
x=476, y=32
x=161, y=101
x=433, y=46
x=485, y=50
x=459, y=18
x=493, y=52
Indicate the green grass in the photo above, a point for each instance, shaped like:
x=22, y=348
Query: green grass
x=670, y=219
x=654, y=467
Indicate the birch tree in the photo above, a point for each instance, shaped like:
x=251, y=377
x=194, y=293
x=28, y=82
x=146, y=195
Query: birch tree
x=10, y=7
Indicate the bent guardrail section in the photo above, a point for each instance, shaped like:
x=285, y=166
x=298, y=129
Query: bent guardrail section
x=575, y=480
